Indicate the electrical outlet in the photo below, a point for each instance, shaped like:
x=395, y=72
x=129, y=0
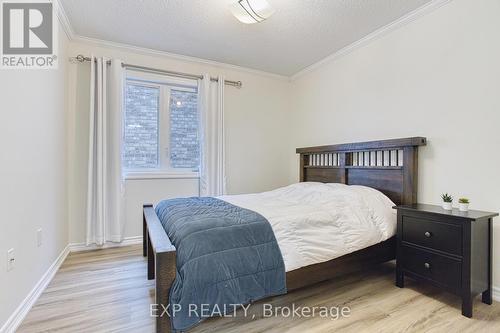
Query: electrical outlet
x=10, y=259
x=39, y=237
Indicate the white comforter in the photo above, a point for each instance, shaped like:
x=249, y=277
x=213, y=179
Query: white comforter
x=316, y=222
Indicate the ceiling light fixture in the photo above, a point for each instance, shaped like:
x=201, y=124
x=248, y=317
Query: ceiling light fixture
x=251, y=11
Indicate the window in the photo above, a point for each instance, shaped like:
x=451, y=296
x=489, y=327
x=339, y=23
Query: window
x=161, y=126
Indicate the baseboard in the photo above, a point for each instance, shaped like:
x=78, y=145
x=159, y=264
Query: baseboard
x=496, y=293
x=22, y=310
x=79, y=247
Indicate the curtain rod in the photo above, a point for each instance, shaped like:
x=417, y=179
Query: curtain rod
x=238, y=84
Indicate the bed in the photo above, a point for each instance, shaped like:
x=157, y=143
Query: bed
x=389, y=167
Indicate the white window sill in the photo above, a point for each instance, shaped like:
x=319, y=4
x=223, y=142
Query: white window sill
x=161, y=175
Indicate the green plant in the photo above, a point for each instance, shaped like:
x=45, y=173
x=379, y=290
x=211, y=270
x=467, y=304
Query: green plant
x=446, y=197
x=463, y=200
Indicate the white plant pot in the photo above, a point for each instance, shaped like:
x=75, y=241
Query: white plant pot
x=463, y=207
x=447, y=205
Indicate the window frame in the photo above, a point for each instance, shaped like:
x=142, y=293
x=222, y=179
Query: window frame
x=165, y=85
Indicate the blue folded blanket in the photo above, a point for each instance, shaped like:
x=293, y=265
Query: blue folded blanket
x=225, y=254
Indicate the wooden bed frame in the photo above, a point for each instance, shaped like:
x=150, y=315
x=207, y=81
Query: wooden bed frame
x=390, y=166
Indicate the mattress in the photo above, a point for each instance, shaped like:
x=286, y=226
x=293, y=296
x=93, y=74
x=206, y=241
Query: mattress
x=316, y=222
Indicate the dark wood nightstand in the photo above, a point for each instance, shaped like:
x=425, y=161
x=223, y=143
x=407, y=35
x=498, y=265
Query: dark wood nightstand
x=450, y=249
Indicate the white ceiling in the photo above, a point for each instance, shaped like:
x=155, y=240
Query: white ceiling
x=300, y=33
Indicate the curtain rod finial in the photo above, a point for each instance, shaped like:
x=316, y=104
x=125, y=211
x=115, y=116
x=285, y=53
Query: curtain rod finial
x=79, y=58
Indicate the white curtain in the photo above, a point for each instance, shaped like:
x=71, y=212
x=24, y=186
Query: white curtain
x=105, y=195
x=211, y=110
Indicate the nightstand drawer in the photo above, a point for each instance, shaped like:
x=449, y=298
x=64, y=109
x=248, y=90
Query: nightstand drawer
x=438, y=268
x=434, y=235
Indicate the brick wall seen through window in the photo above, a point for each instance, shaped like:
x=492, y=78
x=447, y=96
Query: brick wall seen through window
x=184, y=143
x=140, y=149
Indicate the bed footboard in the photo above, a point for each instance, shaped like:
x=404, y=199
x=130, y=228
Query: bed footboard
x=161, y=263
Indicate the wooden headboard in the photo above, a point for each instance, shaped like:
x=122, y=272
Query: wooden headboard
x=390, y=166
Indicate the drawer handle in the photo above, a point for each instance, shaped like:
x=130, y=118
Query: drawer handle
x=427, y=234
x=427, y=265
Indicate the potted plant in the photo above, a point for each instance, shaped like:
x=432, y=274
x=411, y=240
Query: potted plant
x=463, y=204
x=447, y=201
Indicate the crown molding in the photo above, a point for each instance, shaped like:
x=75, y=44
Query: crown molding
x=152, y=52
x=72, y=36
x=379, y=33
x=63, y=19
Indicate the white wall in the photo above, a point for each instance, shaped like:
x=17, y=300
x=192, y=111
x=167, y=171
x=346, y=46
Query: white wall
x=437, y=77
x=256, y=135
x=33, y=176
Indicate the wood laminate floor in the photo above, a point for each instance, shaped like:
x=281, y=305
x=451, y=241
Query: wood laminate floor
x=107, y=291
